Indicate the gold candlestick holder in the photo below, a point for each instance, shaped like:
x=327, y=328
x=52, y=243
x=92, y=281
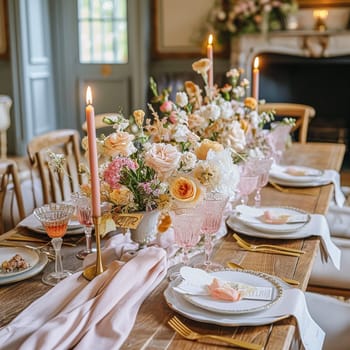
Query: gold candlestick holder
x=94, y=270
x=320, y=17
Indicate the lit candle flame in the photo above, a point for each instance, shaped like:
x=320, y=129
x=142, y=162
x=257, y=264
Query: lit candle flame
x=322, y=14
x=256, y=62
x=88, y=96
x=210, y=39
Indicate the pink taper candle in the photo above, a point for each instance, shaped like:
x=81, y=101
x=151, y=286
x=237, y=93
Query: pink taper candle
x=91, y=132
x=255, y=86
x=211, y=59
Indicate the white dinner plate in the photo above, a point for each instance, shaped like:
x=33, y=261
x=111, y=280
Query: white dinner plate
x=178, y=303
x=281, y=172
x=29, y=255
x=39, y=266
x=255, y=279
x=248, y=219
x=239, y=227
x=314, y=183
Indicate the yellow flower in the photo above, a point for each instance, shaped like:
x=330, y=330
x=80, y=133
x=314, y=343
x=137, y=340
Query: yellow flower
x=184, y=189
x=139, y=115
x=121, y=196
x=205, y=146
x=250, y=102
x=201, y=66
x=164, y=222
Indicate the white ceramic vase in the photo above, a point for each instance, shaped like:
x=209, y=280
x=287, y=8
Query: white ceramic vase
x=146, y=231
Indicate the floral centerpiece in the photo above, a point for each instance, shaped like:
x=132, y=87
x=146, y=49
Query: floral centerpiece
x=233, y=17
x=226, y=115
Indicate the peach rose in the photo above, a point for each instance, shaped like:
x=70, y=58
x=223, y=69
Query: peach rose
x=119, y=144
x=183, y=189
x=139, y=116
x=205, y=146
x=201, y=66
x=163, y=158
x=250, y=102
x=121, y=196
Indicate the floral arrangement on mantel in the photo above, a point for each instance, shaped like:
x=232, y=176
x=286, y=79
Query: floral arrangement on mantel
x=228, y=18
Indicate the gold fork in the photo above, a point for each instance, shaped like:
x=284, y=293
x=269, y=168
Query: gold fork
x=233, y=265
x=291, y=190
x=263, y=246
x=188, y=333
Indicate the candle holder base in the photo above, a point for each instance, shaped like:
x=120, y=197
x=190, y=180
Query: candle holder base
x=94, y=270
x=90, y=272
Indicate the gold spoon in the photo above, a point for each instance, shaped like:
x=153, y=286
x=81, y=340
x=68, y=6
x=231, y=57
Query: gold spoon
x=233, y=265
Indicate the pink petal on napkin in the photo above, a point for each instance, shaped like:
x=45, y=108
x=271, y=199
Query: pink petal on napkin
x=223, y=291
x=270, y=218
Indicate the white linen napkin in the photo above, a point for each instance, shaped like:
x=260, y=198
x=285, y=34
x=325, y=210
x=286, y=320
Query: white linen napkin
x=328, y=176
x=88, y=315
x=293, y=303
x=334, y=177
x=317, y=226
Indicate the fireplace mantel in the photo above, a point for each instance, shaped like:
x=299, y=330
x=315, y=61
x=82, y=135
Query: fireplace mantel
x=308, y=43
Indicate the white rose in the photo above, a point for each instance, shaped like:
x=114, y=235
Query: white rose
x=181, y=99
x=210, y=112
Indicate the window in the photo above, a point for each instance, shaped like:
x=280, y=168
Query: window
x=103, y=31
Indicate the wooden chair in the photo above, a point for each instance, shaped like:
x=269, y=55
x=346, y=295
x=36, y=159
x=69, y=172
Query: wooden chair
x=302, y=114
x=57, y=186
x=9, y=177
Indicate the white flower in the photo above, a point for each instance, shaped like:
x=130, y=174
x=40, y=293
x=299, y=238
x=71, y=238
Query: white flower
x=181, y=99
x=210, y=112
x=181, y=133
x=188, y=161
x=235, y=137
x=226, y=109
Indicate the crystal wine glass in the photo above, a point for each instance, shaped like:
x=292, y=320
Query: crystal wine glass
x=187, y=224
x=84, y=214
x=261, y=168
x=247, y=184
x=213, y=208
x=55, y=217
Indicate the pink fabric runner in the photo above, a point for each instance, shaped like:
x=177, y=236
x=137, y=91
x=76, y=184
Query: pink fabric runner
x=89, y=315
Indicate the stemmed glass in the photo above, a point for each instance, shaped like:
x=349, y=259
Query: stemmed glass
x=84, y=214
x=187, y=224
x=247, y=184
x=261, y=168
x=213, y=208
x=55, y=217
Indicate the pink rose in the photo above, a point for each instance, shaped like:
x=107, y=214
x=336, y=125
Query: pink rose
x=163, y=158
x=166, y=107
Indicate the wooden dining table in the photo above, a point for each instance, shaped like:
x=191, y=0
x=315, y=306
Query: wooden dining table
x=151, y=330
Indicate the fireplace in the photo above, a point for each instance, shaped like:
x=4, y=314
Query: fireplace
x=323, y=83
x=306, y=67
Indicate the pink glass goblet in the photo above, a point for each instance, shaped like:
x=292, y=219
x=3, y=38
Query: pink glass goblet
x=261, y=168
x=246, y=185
x=84, y=214
x=213, y=208
x=187, y=224
x=54, y=218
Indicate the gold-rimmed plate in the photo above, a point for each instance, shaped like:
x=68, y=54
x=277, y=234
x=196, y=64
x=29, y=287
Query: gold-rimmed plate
x=247, y=218
x=253, y=278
